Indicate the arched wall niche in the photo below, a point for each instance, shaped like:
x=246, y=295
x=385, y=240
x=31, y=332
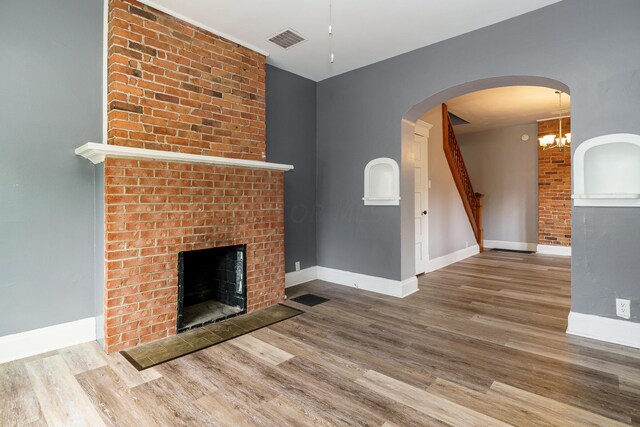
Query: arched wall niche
x=381, y=182
x=606, y=171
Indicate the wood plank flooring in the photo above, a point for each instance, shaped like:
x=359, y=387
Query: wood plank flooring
x=481, y=344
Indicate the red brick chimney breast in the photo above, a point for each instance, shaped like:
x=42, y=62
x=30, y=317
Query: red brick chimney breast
x=175, y=87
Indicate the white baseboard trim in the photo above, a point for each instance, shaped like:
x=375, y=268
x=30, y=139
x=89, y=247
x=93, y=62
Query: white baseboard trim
x=409, y=286
x=600, y=328
x=554, y=250
x=380, y=285
x=453, y=257
x=301, y=276
x=25, y=344
x=514, y=246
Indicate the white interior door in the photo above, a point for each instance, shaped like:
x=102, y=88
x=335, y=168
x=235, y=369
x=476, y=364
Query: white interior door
x=421, y=203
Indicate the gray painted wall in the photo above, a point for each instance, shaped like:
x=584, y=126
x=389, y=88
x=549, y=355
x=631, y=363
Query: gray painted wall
x=291, y=138
x=51, y=86
x=356, y=123
x=505, y=169
x=591, y=46
x=449, y=227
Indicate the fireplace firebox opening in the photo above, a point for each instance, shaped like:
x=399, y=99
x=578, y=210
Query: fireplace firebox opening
x=211, y=285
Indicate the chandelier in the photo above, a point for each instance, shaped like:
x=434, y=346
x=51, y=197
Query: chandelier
x=551, y=141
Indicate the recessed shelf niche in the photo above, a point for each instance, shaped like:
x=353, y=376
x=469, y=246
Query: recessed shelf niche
x=382, y=182
x=606, y=171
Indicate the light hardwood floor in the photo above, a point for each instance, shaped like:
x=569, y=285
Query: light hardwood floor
x=482, y=343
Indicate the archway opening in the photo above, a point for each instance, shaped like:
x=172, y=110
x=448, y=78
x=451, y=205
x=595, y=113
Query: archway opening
x=509, y=209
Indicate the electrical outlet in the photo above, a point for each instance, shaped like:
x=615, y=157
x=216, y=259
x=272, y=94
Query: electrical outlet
x=623, y=308
x=297, y=265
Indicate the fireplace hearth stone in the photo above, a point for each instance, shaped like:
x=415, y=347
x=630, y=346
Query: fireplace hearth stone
x=147, y=355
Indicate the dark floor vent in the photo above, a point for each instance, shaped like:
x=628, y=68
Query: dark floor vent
x=513, y=251
x=309, y=299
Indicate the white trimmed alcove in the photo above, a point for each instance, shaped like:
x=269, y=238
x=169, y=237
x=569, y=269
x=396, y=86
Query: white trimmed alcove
x=382, y=182
x=606, y=171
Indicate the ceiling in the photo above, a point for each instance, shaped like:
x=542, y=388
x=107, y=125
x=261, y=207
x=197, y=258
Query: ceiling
x=506, y=106
x=363, y=33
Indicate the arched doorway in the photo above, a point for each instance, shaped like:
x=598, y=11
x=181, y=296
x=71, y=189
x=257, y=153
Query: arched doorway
x=412, y=202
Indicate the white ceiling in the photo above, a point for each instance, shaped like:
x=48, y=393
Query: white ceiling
x=506, y=106
x=364, y=32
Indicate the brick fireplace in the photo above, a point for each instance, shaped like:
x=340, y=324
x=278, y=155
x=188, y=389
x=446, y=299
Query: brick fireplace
x=175, y=87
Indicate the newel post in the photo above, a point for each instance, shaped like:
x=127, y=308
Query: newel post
x=479, y=198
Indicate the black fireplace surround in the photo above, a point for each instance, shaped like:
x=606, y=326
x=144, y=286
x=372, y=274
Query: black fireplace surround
x=211, y=285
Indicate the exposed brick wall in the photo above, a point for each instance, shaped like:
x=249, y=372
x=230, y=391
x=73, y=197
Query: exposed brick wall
x=554, y=188
x=173, y=86
x=155, y=210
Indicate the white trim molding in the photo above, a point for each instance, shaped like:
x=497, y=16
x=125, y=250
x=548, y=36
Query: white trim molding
x=301, y=276
x=105, y=72
x=514, y=246
x=25, y=344
x=198, y=24
x=96, y=153
x=615, y=331
x=554, y=250
x=453, y=257
x=422, y=128
x=394, y=288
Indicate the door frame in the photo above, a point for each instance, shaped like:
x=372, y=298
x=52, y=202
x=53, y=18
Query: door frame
x=421, y=136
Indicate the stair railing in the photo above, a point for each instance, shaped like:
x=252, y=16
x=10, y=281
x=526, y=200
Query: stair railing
x=471, y=200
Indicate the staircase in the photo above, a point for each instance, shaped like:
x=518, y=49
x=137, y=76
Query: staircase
x=471, y=200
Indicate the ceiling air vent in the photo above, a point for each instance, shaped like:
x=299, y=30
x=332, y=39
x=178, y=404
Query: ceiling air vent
x=286, y=38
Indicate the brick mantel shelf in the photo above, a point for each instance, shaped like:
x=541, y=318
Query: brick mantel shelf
x=96, y=153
